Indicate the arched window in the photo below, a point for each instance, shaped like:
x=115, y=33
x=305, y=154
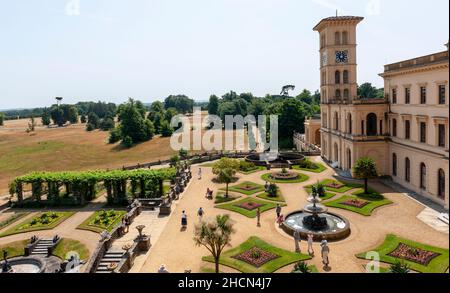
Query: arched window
x=394, y=164
x=346, y=94
x=371, y=125
x=441, y=184
x=349, y=124
x=336, y=121
x=344, y=38
x=336, y=152
x=349, y=159
x=423, y=176
x=394, y=127
x=407, y=170
x=337, y=77
x=338, y=94
x=337, y=38
x=346, y=77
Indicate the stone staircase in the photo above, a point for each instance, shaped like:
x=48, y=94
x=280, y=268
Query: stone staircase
x=42, y=246
x=110, y=257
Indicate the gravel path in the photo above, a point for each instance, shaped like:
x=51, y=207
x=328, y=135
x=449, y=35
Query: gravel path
x=177, y=251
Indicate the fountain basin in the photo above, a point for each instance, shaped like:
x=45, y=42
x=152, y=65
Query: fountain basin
x=25, y=265
x=338, y=227
x=281, y=160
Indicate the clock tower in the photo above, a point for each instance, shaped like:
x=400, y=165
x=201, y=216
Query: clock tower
x=338, y=58
x=351, y=127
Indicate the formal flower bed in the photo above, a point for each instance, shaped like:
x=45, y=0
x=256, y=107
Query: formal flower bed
x=102, y=220
x=416, y=255
x=357, y=203
x=335, y=185
x=247, y=188
x=250, y=205
x=256, y=256
x=42, y=221
x=284, y=175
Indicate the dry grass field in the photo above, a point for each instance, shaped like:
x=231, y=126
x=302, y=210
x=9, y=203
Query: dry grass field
x=67, y=148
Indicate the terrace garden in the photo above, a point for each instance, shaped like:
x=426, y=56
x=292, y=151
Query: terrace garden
x=419, y=257
x=12, y=219
x=309, y=166
x=285, y=176
x=247, y=188
x=248, y=206
x=221, y=198
x=42, y=221
x=102, y=220
x=67, y=246
x=362, y=206
x=257, y=256
x=267, y=196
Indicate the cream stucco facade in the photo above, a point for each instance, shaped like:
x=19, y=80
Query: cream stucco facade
x=415, y=90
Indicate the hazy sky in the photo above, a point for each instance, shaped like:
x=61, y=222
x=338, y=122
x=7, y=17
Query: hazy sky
x=149, y=49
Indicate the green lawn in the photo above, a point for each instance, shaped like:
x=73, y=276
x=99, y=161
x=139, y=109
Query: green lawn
x=14, y=249
x=220, y=198
x=327, y=196
x=234, y=206
x=240, y=188
x=43, y=221
x=12, y=219
x=347, y=187
x=285, y=257
x=207, y=165
x=319, y=168
x=69, y=245
x=278, y=198
x=373, y=194
x=301, y=178
x=99, y=221
x=438, y=265
x=257, y=169
x=365, y=211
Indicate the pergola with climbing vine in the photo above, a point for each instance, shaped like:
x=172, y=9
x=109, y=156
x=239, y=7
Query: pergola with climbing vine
x=82, y=187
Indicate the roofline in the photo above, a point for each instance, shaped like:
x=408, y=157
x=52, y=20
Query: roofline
x=339, y=19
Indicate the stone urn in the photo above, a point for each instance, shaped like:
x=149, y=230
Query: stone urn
x=142, y=240
x=112, y=266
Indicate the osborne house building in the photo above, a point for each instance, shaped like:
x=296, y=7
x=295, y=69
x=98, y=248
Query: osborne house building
x=406, y=132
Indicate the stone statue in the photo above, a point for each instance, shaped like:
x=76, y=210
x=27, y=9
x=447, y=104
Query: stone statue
x=297, y=240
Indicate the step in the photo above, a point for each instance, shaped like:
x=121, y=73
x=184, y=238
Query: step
x=113, y=256
x=110, y=260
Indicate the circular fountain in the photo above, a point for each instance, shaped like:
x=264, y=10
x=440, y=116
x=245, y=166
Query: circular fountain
x=275, y=160
x=314, y=219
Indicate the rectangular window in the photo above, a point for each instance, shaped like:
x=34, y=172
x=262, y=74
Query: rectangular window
x=423, y=95
x=394, y=96
x=407, y=95
x=442, y=93
x=407, y=129
x=441, y=135
x=423, y=132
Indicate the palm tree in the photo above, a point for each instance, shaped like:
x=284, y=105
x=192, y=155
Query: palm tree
x=214, y=236
x=225, y=169
x=365, y=168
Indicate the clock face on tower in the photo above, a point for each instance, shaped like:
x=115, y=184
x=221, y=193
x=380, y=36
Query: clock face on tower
x=341, y=56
